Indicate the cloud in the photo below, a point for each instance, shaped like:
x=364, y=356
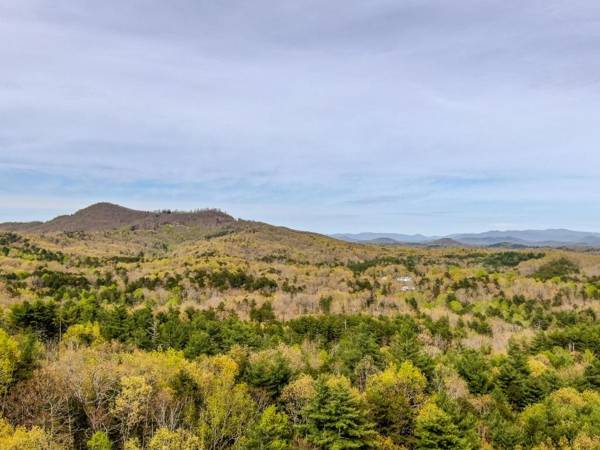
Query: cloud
x=299, y=111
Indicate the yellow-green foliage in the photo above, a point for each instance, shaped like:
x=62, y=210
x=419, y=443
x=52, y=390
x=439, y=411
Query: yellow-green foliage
x=165, y=439
x=190, y=338
x=20, y=438
x=83, y=334
x=565, y=415
x=9, y=357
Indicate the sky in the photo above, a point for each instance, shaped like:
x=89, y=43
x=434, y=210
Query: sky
x=408, y=116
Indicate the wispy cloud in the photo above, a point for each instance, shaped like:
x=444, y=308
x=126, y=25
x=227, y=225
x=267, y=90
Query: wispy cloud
x=378, y=113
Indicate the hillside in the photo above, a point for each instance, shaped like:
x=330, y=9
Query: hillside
x=107, y=216
x=201, y=322
x=304, y=266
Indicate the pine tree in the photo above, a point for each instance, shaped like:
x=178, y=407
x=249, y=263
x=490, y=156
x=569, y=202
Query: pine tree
x=462, y=415
x=592, y=374
x=513, y=378
x=405, y=346
x=435, y=430
x=270, y=372
x=336, y=419
x=473, y=367
x=504, y=434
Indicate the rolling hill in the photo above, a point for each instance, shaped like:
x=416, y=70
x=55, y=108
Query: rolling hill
x=107, y=216
x=111, y=306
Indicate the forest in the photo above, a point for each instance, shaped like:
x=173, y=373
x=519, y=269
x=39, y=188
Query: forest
x=259, y=337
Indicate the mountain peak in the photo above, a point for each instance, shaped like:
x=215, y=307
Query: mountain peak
x=103, y=206
x=107, y=216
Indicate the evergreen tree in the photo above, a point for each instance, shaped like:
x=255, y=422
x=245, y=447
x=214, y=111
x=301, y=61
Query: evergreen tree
x=434, y=430
x=269, y=372
x=116, y=323
x=405, y=346
x=462, y=415
x=504, y=434
x=513, y=378
x=592, y=374
x=473, y=367
x=336, y=419
x=353, y=348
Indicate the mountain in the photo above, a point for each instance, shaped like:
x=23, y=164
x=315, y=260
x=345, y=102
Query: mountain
x=540, y=237
x=390, y=237
x=107, y=216
x=558, y=237
x=591, y=240
x=109, y=231
x=383, y=241
x=445, y=242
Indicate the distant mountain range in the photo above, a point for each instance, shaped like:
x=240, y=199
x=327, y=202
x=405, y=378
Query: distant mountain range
x=384, y=238
x=510, y=238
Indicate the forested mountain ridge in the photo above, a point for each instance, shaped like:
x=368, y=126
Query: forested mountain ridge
x=107, y=216
x=199, y=331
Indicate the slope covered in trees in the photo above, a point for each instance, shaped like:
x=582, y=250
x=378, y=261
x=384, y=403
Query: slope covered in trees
x=244, y=335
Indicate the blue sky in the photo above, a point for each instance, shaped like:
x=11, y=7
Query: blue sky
x=339, y=116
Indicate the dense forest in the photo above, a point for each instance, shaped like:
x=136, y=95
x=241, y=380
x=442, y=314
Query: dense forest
x=256, y=337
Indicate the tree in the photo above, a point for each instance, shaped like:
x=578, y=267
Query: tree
x=263, y=314
x=30, y=350
x=228, y=410
x=268, y=371
x=563, y=415
x=199, y=343
x=435, y=430
x=271, y=432
x=40, y=317
x=393, y=397
x=9, y=359
x=131, y=405
x=296, y=396
x=592, y=374
x=504, y=433
x=187, y=393
x=99, y=441
x=83, y=334
x=165, y=439
x=463, y=415
x=336, y=418
x=556, y=268
x=475, y=370
x=513, y=377
x=405, y=346
x=20, y=438
x=353, y=348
